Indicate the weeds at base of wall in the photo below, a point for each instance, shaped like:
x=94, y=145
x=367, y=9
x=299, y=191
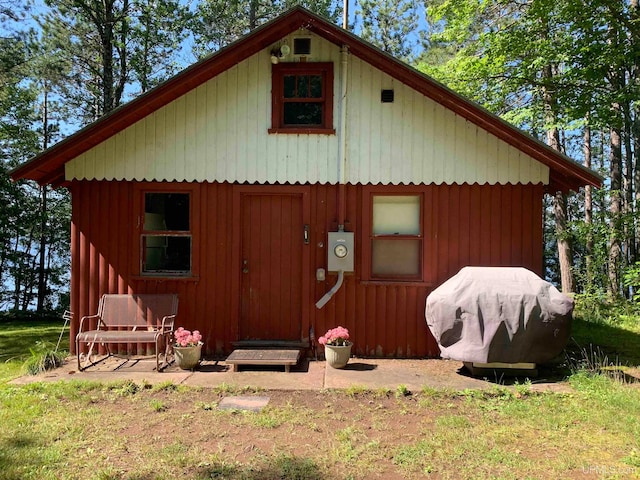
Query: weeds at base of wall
x=43, y=358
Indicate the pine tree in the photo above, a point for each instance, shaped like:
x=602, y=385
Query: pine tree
x=116, y=48
x=217, y=23
x=390, y=25
x=157, y=33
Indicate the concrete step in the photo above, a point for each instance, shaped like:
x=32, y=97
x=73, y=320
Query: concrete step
x=269, y=356
x=271, y=344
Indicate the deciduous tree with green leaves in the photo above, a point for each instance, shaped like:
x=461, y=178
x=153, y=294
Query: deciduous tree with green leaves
x=561, y=70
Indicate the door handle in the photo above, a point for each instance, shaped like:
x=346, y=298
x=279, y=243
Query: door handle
x=245, y=266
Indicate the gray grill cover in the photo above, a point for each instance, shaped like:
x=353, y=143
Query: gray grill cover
x=499, y=314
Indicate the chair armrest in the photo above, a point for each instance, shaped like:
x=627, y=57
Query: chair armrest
x=86, y=317
x=167, y=323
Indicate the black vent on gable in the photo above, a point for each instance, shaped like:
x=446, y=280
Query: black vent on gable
x=301, y=46
x=386, y=96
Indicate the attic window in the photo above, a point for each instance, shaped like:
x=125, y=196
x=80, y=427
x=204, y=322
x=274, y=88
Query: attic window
x=386, y=96
x=302, y=98
x=302, y=46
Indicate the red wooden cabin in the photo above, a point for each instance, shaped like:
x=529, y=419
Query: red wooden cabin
x=223, y=183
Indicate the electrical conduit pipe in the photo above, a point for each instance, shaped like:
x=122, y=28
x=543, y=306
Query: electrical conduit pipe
x=327, y=296
x=342, y=159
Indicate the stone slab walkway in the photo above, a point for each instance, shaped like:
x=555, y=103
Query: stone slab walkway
x=366, y=373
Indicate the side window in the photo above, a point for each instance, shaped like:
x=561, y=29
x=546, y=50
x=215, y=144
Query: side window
x=302, y=98
x=166, y=234
x=396, y=237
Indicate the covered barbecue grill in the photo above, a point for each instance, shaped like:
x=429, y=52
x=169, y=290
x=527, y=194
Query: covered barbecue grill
x=499, y=315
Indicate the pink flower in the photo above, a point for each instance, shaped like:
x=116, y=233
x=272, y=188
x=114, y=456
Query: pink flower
x=184, y=338
x=335, y=336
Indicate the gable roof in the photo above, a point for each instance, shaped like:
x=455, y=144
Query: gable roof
x=48, y=166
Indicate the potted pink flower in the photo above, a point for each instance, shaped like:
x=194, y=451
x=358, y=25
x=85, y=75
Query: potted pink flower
x=187, y=348
x=337, y=347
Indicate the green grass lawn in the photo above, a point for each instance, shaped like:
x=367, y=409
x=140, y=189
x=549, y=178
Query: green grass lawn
x=19, y=337
x=69, y=430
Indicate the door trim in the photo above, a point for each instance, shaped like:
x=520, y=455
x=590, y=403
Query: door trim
x=236, y=261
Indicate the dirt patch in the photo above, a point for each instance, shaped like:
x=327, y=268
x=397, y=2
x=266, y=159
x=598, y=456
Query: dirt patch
x=330, y=431
x=308, y=434
x=128, y=429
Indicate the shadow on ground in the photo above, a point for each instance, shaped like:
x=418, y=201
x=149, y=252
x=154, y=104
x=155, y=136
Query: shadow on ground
x=360, y=366
x=596, y=347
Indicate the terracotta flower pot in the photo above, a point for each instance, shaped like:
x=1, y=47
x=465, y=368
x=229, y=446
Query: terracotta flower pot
x=187, y=358
x=337, y=356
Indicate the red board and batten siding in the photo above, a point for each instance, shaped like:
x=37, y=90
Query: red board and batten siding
x=487, y=225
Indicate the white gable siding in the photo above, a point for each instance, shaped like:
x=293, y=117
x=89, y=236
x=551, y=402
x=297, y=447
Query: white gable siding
x=416, y=140
x=218, y=132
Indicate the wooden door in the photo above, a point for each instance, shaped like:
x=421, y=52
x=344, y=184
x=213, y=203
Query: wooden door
x=271, y=286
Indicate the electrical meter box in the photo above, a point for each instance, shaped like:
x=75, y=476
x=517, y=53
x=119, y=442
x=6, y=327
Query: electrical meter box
x=340, y=252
